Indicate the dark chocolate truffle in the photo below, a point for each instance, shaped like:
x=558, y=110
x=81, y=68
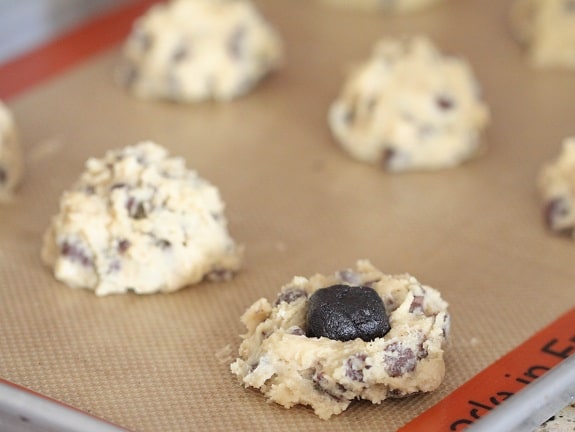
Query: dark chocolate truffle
x=344, y=312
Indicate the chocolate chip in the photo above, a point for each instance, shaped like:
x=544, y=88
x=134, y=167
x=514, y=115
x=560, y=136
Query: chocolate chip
x=349, y=116
x=355, y=365
x=115, y=266
x=75, y=253
x=118, y=186
x=399, y=360
x=289, y=295
x=422, y=353
x=389, y=153
x=324, y=384
x=390, y=304
x=393, y=158
x=163, y=244
x=136, y=210
x=417, y=305
x=89, y=190
x=254, y=366
x=446, y=325
x=349, y=276
x=396, y=393
x=3, y=175
x=219, y=275
x=236, y=42
x=123, y=246
x=129, y=74
x=445, y=103
x=344, y=312
x=143, y=40
x=140, y=212
x=371, y=104
x=296, y=330
x=556, y=210
x=181, y=53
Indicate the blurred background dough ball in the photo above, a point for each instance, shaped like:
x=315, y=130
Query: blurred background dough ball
x=10, y=155
x=196, y=50
x=546, y=29
x=409, y=107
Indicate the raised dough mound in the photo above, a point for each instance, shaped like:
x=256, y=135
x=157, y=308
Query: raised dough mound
x=290, y=368
x=557, y=189
x=138, y=220
x=547, y=29
x=10, y=155
x=194, y=50
x=410, y=108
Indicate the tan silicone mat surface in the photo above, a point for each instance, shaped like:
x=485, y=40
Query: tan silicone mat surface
x=300, y=206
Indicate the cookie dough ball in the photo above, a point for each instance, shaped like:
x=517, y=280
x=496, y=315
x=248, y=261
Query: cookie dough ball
x=410, y=108
x=139, y=220
x=195, y=50
x=557, y=189
x=10, y=155
x=387, y=6
x=326, y=373
x=547, y=30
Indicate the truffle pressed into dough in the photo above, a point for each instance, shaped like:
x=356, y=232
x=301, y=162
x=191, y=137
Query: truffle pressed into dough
x=291, y=368
x=139, y=220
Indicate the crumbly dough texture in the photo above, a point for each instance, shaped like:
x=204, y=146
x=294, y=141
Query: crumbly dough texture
x=547, y=30
x=289, y=368
x=557, y=189
x=11, y=163
x=410, y=108
x=139, y=220
x=387, y=6
x=195, y=50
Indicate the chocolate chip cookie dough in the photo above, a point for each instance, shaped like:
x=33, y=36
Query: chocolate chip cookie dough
x=410, y=108
x=10, y=155
x=386, y=6
x=194, y=50
x=356, y=334
x=139, y=220
x=546, y=28
x=557, y=188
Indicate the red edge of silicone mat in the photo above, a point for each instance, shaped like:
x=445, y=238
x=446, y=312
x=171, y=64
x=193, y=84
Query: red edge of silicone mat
x=501, y=379
x=74, y=46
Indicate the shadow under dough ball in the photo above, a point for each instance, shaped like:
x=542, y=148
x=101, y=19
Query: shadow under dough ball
x=343, y=312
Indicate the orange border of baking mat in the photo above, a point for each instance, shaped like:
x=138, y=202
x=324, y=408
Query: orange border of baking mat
x=61, y=53
x=502, y=379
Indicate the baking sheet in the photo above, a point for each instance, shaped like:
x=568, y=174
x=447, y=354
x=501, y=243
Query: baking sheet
x=300, y=206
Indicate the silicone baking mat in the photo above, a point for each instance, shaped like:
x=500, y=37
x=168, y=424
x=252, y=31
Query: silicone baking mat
x=297, y=203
